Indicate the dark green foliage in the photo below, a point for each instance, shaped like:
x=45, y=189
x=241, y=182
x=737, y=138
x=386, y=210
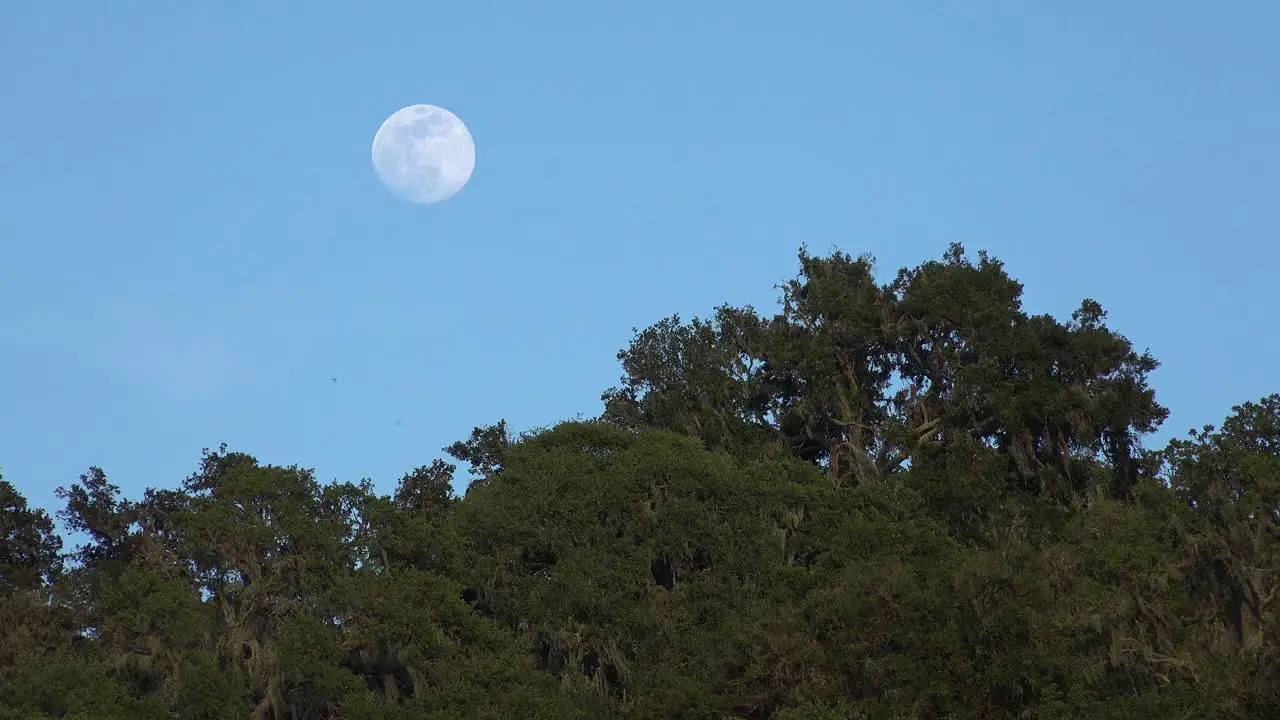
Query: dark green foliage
x=29, y=548
x=901, y=500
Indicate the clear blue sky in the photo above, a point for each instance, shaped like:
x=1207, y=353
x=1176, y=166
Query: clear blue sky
x=194, y=241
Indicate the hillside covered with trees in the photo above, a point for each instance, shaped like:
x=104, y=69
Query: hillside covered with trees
x=909, y=499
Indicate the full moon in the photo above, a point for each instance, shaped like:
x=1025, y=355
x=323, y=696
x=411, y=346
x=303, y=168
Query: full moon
x=423, y=154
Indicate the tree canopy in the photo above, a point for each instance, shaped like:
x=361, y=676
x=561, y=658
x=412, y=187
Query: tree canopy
x=902, y=499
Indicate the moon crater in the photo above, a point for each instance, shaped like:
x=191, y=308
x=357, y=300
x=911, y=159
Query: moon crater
x=424, y=154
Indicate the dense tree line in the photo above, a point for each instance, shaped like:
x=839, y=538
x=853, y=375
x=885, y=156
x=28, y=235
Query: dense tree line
x=888, y=500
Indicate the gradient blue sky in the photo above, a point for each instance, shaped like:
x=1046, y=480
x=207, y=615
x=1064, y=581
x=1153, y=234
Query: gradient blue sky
x=194, y=241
